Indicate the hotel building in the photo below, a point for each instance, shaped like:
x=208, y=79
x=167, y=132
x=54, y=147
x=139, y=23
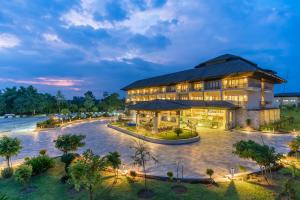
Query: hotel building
x=224, y=92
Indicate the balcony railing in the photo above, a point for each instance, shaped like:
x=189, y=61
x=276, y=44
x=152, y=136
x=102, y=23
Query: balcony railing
x=254, y=84
x=238, y=103
x=235, y=86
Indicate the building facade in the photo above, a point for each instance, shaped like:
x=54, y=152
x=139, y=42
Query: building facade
x=223, y=92
x=288, y=99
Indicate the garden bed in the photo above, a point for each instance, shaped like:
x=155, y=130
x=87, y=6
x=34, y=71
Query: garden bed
x=161, y=138
x=49, y=187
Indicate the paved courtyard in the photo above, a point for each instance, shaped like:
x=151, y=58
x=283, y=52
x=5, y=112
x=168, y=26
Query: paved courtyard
x=213, y=151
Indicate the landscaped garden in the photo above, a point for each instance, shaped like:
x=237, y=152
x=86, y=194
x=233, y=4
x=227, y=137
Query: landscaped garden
x=74, y=176
x=164, y=133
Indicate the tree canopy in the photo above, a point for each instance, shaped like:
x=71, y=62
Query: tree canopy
x=68, y=142
x=9, y=147
x=86, y=171
x=28, y=101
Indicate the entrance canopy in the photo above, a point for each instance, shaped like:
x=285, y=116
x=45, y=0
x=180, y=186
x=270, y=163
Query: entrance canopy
x=158, y=105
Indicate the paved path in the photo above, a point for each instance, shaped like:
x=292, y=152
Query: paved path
x=213, y=151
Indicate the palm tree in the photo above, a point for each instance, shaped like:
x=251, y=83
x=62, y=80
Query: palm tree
x=114, y=161
x=9, y=147
x=141, y=157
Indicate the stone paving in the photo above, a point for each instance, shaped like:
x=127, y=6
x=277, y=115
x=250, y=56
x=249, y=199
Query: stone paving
x=213, y=151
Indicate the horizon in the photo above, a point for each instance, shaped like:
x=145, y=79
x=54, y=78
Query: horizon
x=77, y=46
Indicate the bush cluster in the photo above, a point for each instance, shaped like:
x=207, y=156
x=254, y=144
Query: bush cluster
x=7, y=172
x=50, y=123
x=23, y=174
x=40, y=164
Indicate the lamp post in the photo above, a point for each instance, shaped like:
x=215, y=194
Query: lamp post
x=232, y=172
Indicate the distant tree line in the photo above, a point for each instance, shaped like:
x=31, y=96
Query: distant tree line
x=28, y=101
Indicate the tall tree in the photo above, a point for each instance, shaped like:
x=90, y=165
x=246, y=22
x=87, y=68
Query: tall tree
x=111, y=103
x=9, y=147
x=89, y=101
x=142, y=156
x=60, y=100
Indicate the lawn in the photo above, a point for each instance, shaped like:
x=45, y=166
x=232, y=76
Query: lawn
x=167, y=135
x=48, y=186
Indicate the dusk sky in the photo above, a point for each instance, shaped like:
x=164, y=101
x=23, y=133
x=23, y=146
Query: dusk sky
x=103, y=45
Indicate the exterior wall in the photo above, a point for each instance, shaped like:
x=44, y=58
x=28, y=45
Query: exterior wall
x=254, y=96
x=257, y=117
x=254, y=99
x=285, y=101
x=244, y=91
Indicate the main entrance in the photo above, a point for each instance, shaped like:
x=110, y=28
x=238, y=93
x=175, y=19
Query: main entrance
x=209, y=118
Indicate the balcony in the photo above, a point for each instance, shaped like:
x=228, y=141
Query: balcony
x=265, y=103
x=239, y=103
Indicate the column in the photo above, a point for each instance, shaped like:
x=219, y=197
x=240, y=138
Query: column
x=137, y=118
x=155, y=123
x=178, y=118
x=158, y=119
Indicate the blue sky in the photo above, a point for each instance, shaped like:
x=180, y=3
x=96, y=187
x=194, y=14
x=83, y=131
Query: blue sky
x=102, y=45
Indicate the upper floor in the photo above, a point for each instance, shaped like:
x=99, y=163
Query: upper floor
x=238, y=90
x=227, y=77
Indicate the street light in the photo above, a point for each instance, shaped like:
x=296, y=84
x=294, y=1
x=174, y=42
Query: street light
x=232, y=172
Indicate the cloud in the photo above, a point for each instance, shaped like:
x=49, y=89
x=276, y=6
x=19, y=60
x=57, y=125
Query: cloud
x=8, y=41
x=103, y=40
x=51, y=37
x=84, y=16
x=45, y=81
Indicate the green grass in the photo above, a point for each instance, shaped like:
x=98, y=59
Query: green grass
x=49, y=188
x=167, y=135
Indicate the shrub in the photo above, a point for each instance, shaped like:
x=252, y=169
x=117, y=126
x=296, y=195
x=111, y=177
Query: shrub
x=133, y=174
x=40, y=164
x=50, y=123
x=23, y=174
x=7, y=172
x=43, y=152
x=170, y=175
x=178, y=131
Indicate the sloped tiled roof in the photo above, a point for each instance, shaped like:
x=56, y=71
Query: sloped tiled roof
x=157, y=105
x=219, y=67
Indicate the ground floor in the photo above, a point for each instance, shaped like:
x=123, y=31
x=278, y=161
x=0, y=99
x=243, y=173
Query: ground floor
x=159, y=115
x=197, y=118
x=188, y=118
